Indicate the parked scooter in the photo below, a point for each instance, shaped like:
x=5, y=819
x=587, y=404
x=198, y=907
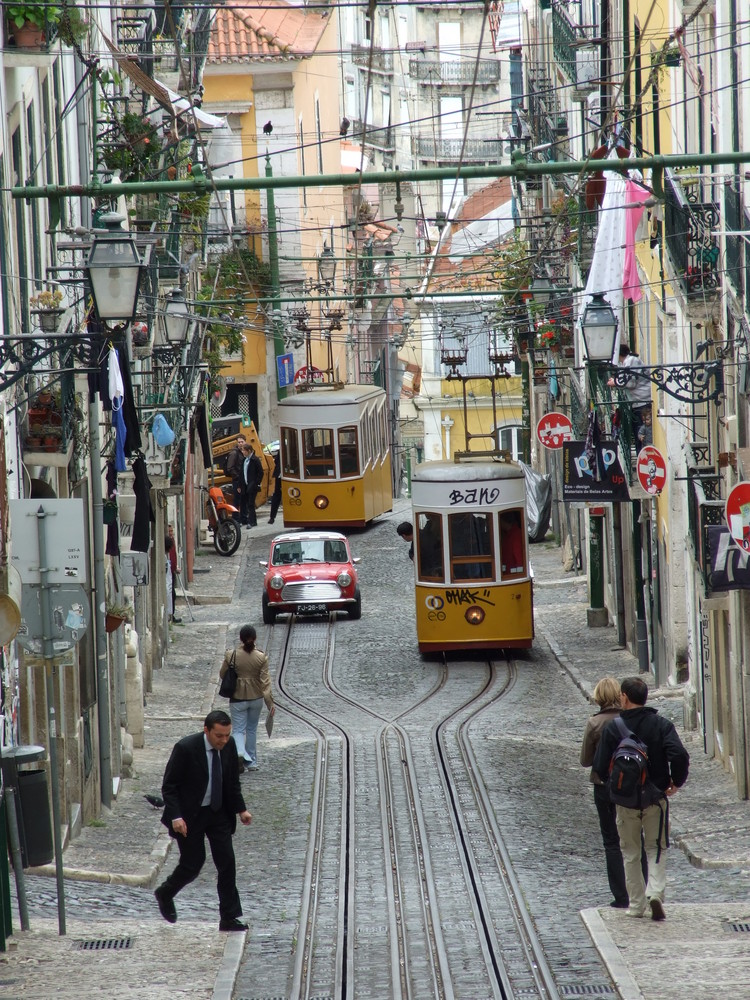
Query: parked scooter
x=221, y=520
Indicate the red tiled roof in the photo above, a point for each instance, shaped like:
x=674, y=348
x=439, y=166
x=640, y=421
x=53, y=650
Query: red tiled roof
x=270, y=30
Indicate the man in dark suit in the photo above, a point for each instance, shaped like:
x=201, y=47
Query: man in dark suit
x=202, y=798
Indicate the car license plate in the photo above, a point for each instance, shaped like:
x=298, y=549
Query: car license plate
x=311, y=608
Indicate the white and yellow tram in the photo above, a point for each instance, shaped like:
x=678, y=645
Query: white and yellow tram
x=471, y=562
x=335, y=456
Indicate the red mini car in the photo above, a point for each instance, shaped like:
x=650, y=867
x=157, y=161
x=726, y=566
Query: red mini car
x=310, y=572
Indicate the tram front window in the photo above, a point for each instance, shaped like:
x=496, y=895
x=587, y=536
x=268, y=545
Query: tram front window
x=318, y=449
x=471, y=547
x=511, y=545
x=290, y=452
x=348, y=459
x=430, y=548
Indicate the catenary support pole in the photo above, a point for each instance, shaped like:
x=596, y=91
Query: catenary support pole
x=50, y=674
x=98, y=606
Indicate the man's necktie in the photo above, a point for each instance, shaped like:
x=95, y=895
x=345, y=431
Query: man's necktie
x=215, y=781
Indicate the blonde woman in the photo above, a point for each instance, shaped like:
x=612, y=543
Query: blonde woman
x=607, y=697
x=253, y=689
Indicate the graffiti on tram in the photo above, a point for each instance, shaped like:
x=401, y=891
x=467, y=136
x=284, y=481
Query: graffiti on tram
x=457, y=596
x=483, y=495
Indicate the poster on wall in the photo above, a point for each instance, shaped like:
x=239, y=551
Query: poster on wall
x=596, y=476
x=728, y=565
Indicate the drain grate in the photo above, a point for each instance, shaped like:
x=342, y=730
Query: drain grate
x=586, y=991
x=737, y=927
x=104, y=944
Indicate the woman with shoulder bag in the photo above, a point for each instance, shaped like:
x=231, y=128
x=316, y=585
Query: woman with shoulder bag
x=253, y=688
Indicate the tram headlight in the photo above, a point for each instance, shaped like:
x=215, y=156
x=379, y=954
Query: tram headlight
x=276, y=582
x=474, y=615
x=321, y=502
x=343, y=580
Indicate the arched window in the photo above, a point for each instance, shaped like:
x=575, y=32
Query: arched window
x=509, y=439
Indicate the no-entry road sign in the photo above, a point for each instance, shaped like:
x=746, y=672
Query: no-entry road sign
x=652, y=469
x=738, y=515
x=553, y=429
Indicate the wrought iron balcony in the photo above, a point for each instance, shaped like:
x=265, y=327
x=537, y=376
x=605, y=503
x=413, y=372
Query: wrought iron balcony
x=690, y=223
x=734, y=216
x=449, y=150
x=382, y=59
x=563, y=37
x=377, y=136
x=453, y=73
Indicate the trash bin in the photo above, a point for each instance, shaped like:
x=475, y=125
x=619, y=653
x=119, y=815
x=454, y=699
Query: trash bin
x=33, y=812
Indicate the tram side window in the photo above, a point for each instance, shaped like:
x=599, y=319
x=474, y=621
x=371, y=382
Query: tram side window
x=373, y=436
x=366, y=441
x=430, y=547
x=318, y=446
x=290, y=451
x=512, y=562
x=383, y=431
x=348, y=458
x=471, y=546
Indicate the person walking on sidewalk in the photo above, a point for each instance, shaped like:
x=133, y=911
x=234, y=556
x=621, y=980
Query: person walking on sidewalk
x=253, y=479
x=202, y=799
x=171, y=546
x=276, y=495
x=253, y=689
x=607, y=696
x=668, y=763
x=235, y=471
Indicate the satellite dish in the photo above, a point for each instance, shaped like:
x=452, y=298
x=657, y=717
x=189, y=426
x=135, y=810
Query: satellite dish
x=220, y=390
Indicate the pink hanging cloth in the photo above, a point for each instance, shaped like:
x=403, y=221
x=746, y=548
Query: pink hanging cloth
x=635, y=196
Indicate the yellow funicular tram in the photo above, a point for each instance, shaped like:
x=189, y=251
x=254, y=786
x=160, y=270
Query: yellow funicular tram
x=335, y=455
x=473, y=579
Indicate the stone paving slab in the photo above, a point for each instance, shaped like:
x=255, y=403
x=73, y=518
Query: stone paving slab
x=648, y=961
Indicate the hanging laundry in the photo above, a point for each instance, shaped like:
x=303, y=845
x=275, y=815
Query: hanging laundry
x=116, y=395
x=635, y=198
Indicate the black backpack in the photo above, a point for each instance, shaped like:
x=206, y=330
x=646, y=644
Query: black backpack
x=628, y=771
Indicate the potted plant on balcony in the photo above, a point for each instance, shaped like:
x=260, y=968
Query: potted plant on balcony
x=547, y=335
x=29, y=23
x=45, y=305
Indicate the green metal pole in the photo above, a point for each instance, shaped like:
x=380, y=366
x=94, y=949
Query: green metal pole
x=273, y=266
x=520, y=170
x=526, y=410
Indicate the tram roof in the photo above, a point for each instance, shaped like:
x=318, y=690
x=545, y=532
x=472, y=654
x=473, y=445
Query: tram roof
x=323, y=395
x=474, y=470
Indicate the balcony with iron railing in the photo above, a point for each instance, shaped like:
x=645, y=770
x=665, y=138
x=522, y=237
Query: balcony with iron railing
x=380, y=60
x=734, y=216
x=453, y=150
x=377, y=136
x=690, y=224
x=563, y=38
x=705, y=506
x=454, y=73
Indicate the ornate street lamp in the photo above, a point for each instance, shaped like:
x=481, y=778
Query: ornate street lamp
x=542, y=290
x=114, y=270
x=176, y=318
x=599, y=327
x=326, y=266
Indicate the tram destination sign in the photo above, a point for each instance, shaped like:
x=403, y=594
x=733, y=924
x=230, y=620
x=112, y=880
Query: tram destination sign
x=597, y=476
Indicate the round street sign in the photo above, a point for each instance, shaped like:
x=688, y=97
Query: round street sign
x=652, y=469
x=306, y=374
x=738, y=515
x=554, y=428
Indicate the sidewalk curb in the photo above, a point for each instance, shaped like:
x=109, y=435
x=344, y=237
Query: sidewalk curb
x=611, y=955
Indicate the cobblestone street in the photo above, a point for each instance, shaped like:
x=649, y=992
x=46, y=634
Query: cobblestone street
x=526, y=745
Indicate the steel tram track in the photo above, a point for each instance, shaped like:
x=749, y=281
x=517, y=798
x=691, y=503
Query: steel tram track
x=484, y=860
